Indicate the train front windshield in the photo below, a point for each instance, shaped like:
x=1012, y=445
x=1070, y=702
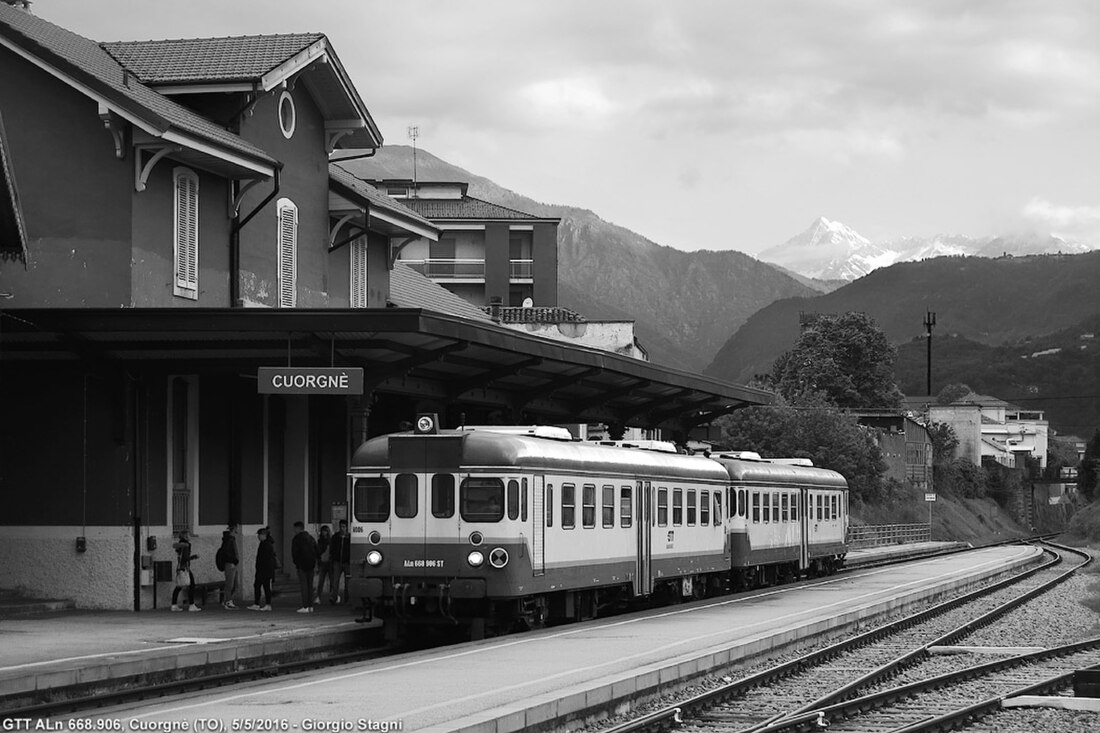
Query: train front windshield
x=480, y=499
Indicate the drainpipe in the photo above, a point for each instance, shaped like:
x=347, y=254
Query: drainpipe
x=235, y=245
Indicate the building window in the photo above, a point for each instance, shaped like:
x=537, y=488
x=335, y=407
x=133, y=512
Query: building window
x=288, y=116
x=358, y=251
x=186, y=284
x=288, y=253
x=183, y=450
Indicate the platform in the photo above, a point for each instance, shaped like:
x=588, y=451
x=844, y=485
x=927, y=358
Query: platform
x=517, y=681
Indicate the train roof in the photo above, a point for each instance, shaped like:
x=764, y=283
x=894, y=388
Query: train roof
x=762, y=471
x=488, y=448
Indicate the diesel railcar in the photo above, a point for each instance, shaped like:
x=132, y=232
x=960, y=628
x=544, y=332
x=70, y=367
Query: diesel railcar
x=498, y=528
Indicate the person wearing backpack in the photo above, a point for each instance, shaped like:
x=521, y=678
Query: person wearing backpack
x=228, y=560
x=303, y=552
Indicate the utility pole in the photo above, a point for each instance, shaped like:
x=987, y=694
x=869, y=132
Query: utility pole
x=929, y=324
x=414, y=132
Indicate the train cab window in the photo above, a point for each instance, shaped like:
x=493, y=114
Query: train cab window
x=704, y=508
x=717, y=508
x=523, y=501
x=588, y=507
x=607, y=508
x=481, y=499
x=626, y=507
x=372, y=500
x=662, y=507
x=677, y=507
x=513, y=499
x=692, y=498
x=742, y=503
x=785, y=507
x=443, y=495
x=756, y=507
x=549, y=505
x=568, y=506
x=405, y=490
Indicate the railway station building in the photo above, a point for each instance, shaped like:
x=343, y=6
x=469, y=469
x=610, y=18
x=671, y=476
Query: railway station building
x=202, y=314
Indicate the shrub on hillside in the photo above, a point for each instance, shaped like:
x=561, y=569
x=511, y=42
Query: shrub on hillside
x=960, y=478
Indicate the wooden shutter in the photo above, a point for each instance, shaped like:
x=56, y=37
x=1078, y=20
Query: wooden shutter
x=359, y=273
x=288, y=253
x=187, y=234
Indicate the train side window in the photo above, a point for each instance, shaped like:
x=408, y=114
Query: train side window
x=549, y=505
x=786, y=507
x=692, y=498
x=608, y=506
x=372, y=500
x=626, y=508
x=568, y=506
x=731, y=494
x=481, y=499
x=662, y=507
x=717, y=508
x=794, y=507
x=820, y=507
x=756, y=507
x=443, y=495
x=405, y=490
x=704, y=508
x=775, y=507
x=588, y=505
x=766, y=500
x=677, y=507
x=833, y=502
x=523, y=502
x=513, y=499
x=742, y=503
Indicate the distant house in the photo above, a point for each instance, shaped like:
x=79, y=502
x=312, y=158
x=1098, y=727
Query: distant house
x=905, y=444
x=562, y=324
x=484, y=251
x=989, y=428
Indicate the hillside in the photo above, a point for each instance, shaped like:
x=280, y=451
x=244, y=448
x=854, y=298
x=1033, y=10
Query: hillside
x=1054, y=373
x=990, y=301
x=685, y=304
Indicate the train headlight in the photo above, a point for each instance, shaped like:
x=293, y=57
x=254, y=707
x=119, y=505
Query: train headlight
x=498, y=558
x=374, y=558
x=476, y=559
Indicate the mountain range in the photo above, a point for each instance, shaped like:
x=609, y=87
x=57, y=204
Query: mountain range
x=831, y=251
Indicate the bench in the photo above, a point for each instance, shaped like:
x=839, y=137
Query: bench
x=202, y=590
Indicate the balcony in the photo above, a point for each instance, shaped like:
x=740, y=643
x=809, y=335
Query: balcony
x=468, y=270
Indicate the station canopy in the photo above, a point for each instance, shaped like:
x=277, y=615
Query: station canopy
x=422, y=354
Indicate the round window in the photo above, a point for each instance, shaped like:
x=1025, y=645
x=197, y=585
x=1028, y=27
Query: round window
x=287, y=115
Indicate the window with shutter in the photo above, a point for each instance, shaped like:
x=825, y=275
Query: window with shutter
x=186, y=283
x=359, y=273
x=288, y=253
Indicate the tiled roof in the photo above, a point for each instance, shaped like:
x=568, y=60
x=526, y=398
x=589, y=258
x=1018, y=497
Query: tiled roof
x=374, y=196
x=85, y=62
x=511, y=314
x=236, y=58
x=410, y=289
x=464, y=208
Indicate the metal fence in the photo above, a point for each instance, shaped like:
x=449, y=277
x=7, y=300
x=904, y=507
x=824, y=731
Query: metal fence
x=876, y=535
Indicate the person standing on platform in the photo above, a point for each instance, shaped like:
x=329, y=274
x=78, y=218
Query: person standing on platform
x=303, y=553
x=184, y=576
x=228, y=561
x=324, y=563
x=265, y=570
x=340, y=551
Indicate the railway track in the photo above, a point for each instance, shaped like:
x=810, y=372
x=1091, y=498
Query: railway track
x=811, y=690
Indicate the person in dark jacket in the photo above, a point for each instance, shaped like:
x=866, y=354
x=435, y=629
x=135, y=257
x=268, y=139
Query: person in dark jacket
x=265, y=570
x=230, y=560
x=303, y=552
x=324, y=563
x=340, y=551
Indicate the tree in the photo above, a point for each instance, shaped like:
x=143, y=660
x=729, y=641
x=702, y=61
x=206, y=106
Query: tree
x=815, y=429
x=846, y=358
x=944, y=442
x=1088, y=473
x=952, y=393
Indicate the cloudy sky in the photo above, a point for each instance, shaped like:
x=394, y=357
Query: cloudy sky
x=718, y=124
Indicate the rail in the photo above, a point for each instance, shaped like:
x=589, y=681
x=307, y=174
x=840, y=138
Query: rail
x=877, y=535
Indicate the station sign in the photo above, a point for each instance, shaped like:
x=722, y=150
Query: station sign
x=929, y=497
x=310, y=380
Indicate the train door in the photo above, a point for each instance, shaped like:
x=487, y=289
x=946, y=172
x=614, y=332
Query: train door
x=538, y=525
x=643, y=570
x=804, y=528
